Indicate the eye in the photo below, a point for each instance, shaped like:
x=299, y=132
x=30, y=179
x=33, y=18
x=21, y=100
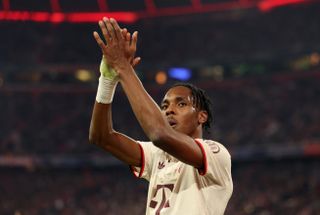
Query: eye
x=164, y=107
x=182, y=104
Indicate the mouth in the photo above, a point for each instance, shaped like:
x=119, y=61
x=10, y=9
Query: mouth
x=172, y=122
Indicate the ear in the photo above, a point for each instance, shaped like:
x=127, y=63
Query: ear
x=202, y=116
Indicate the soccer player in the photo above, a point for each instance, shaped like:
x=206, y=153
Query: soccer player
x=187, y=174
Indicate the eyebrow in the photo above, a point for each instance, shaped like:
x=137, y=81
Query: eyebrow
x=176, y=99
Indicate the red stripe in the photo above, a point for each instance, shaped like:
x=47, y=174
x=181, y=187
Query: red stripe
x=6, y=5
x=205, y=161
x=142, y=164
x=196, y=4
x=55, y=5
x=150, y=6
x=103, y=5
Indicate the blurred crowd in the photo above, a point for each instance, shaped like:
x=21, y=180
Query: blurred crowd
x=274, y=111
x=276, y=187
x=260, y=188
x=71, y=192
x=279, y=112
x=214, y=38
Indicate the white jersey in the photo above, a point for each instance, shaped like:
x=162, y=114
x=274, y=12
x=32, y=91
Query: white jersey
x=176, y=188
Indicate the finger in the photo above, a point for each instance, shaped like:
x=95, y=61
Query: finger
x=104, y=31
x=134, y=39
x=136, y=61
x=99, y=41
x=128, y=39
x=109, y=28
x=124, y=32
x=116, y=28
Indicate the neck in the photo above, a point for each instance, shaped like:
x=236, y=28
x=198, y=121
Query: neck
x=197, y=133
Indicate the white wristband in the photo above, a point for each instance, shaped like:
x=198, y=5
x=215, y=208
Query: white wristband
x=106, y=89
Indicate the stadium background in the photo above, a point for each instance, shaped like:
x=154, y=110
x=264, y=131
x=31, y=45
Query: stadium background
x=259, y=60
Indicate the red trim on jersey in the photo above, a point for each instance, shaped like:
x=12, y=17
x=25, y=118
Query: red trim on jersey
x=133, y=169
x=205, y=161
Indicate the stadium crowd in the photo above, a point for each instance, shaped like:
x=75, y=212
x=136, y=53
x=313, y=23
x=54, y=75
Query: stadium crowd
x=264, y=188
x=275, y=111
x=233, y=38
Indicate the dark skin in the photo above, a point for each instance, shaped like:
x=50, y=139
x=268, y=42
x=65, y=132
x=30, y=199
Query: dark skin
x=171, y=128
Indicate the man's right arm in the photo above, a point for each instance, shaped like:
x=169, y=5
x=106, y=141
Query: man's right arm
x=102, y=134
x=101, y=130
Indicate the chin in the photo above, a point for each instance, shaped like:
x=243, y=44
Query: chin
x=179, y=130
x=175, y=128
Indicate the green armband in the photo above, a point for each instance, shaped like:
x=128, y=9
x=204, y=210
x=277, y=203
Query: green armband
x=107, y=83
x=107, y=71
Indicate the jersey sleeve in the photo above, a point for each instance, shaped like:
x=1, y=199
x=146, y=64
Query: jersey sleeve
x=147, y=150
x=217, y=162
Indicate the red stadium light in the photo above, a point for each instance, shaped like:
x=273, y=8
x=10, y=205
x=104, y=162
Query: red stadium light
x=57, y=15
x=267, y=5
x=125, y=17
x=41, y=17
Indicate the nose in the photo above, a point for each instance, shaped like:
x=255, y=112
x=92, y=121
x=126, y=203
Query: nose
x=170, y=110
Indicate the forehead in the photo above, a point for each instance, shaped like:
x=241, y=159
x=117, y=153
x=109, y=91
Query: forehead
x=178, y=92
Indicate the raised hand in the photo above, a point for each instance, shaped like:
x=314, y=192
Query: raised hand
x=120, y=47
x=131, y=47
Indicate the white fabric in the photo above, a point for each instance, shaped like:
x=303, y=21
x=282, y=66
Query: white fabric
x=177, y=188
x=106, y=89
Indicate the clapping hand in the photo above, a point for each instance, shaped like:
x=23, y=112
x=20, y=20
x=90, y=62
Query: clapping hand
x=119, y=49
